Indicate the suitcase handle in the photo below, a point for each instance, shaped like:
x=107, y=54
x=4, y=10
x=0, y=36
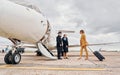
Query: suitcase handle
x=90, y=49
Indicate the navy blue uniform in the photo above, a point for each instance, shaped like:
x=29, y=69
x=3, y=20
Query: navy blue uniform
x=65, y=44
x=59, y=46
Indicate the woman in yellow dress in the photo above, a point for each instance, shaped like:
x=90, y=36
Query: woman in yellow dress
x=83, y=44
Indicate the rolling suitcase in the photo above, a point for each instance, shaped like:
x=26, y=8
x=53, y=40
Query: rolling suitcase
x=98, y=55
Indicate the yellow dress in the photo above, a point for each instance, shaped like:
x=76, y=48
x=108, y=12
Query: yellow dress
x=83, y=41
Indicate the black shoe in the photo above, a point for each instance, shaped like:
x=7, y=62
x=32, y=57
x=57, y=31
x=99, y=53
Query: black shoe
x=59, y=58
x=67, y=58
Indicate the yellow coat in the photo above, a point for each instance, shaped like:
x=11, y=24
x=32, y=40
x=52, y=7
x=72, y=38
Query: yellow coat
x=83, y=41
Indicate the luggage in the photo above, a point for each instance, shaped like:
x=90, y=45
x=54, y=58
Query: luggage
x=98, y=55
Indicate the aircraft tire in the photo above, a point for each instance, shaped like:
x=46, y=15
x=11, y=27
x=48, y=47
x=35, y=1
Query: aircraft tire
x=8, y=58
x=38, y=53
x=16, y=58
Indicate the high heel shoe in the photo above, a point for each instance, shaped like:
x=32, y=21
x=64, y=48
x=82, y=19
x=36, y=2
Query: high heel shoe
x=86, y=58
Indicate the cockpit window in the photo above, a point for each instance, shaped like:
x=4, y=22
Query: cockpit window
x=26, y=4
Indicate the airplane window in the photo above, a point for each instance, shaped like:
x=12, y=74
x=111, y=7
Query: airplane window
x=49, y=30
x=41, y=21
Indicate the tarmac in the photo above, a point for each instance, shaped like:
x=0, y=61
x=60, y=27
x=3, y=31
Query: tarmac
x=39, y=65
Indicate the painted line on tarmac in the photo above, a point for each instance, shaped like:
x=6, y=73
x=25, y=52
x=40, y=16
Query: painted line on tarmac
x=6, y=66
x=48, y=68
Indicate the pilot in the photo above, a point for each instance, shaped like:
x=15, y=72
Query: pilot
x=83, y=44
x=59, y=45
x=65, y=46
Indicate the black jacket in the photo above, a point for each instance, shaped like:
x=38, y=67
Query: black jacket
x=59, y=41
x=65, y=42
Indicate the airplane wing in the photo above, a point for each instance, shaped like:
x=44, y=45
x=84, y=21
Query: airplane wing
x=96, y=44
x=70, y=46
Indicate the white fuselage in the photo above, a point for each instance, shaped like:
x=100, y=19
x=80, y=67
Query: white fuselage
x=20, y=22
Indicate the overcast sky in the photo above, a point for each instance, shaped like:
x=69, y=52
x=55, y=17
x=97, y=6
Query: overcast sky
x=99, y=18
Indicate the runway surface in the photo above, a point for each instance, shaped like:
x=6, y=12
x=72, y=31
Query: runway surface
x=36, y=65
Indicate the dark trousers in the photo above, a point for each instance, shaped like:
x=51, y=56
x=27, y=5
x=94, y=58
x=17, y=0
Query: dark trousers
x=59, y=52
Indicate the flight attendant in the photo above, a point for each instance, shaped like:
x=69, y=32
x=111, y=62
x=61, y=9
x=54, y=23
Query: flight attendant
x=83, y=44
x=59, y=45
x=65, y=46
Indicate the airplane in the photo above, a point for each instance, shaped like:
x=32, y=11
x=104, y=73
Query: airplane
x=22, y=22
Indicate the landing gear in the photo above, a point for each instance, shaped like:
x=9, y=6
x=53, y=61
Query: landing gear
x=14, y=58
x=38, y=53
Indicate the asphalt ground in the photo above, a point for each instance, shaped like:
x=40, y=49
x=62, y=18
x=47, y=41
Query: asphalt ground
x=37, y=65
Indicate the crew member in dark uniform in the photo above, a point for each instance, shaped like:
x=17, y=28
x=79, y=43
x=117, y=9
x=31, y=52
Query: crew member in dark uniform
x=59, y=45
x=65, y=46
